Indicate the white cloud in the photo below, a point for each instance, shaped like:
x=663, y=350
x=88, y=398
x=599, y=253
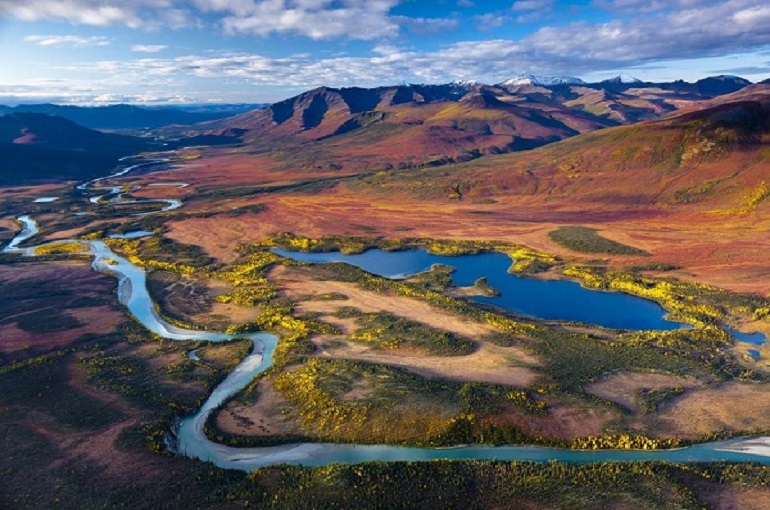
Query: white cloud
x=574, y=49
x=685, y=29
x=686, y=32
x=316, y=19
x=84, y=92
x=532, y=5
x=753, y=15
x=490, y=21
x=85, y=12
x=101, y=13
x=148, y=48
x=67, y=40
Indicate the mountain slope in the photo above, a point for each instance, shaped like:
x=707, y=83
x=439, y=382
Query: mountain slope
x=355, y=130
x=58, y=133
x=566, y=107
x=24, y=164
x=124, y=116
x=401, y=127
x=440, y=131
x=713, y=159
x=41, y=147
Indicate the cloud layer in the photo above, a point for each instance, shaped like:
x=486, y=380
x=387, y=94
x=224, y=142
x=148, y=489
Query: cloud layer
x=654, y=30
x=578, y=48
x=640, y=32
x=317, y=19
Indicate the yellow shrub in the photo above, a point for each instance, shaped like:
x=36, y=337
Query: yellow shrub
x=61, y=249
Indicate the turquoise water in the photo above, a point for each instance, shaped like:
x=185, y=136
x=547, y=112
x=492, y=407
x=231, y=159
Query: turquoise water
x=189, y=438
x=28, y=230
x=136, y=234
x=544, y=299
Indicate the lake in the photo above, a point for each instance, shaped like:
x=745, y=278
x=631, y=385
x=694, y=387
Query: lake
x=561, y=300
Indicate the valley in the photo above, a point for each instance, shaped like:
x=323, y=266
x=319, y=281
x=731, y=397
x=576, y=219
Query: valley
x=236, y=336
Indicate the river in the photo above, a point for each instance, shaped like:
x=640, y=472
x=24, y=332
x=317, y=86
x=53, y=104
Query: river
x=189, y=438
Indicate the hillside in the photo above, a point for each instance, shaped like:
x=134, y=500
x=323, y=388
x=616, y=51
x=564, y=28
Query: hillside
x=711, y=157
x=354, y=130
x=23, y=164
x=37, y=147
x=691, y=190
x=58, y=133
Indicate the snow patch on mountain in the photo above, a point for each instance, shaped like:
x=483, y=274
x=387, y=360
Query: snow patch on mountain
x=622, y=78
x=466, y=83
x=543, y=81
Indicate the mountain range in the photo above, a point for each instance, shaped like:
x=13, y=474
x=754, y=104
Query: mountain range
x=407, y=126
x=711, y=159
x=123, y=116
x=354, y=130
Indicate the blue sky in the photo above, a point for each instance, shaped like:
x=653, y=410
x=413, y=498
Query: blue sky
x=166, y=51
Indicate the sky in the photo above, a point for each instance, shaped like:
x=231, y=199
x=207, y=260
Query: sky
x=257, y=51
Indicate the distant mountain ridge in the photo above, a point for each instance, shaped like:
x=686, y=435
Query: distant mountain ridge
x=410, y=125
x=58, y=133
x=622, y=78
x=123, y=116
x=38, y=147
x=310, y=110
x=401, y=126
x=405, y=126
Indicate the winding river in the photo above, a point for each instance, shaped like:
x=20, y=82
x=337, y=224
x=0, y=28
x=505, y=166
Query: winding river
x=113, y=194
x=189, y=438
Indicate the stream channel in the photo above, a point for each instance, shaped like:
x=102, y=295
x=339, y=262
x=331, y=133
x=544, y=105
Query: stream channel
x=522, y=295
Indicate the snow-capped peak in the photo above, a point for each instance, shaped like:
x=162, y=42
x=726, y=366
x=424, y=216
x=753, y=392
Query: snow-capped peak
x=465, y=83
x=545, y=81
x=623, y=78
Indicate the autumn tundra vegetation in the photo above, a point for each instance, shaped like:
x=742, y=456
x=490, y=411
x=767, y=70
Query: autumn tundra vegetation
x=414, y=361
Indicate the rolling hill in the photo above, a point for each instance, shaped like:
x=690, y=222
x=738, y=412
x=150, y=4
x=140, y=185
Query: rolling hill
x=713, y=158
x=35, y=147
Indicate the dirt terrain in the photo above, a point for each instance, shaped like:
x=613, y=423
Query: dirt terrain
x=733, y=406
x=48, y=306
x=623, y=388
x=489, y=363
